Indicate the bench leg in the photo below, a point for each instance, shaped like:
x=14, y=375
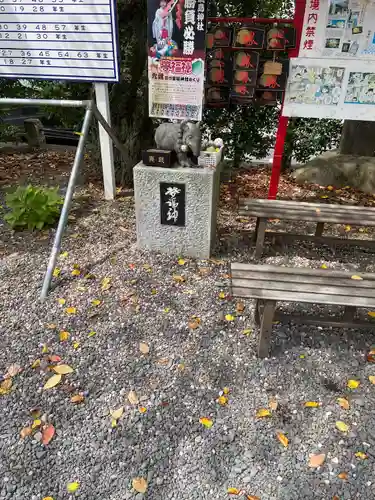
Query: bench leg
x=258, y=311
x=260, y=234
x=349, y=313
x=319, y=229
x=266, y=328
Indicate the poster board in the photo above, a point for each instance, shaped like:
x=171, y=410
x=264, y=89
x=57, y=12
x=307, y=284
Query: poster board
x=61, y=40
x=323, y=88
x=176, y=58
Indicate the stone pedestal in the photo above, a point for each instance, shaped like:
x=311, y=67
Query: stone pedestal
x=176, y=209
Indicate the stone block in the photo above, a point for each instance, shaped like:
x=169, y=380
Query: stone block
x=34, y=132
x=192, y=230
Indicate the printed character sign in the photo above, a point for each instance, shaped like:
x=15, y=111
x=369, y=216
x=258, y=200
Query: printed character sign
x=249, y=37
x=217, y=97
x=219, y=36
x=245, y=77
x=246, y=60
x=172, y=204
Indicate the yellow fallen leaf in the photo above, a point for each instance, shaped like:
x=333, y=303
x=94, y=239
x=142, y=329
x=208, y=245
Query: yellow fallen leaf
x=343, y=476
x=61, y=301
x=45, y=349
x=178, y=279
x=283, y=439
x=353, y=384
x=106, y=283
x=144, y=348
x=72, y=487
x=361, y=455
x=36, y=364
x=207, y=422
x=96, y=302
x=63, y=336
x=113, y=423
x=222, y=295
x=26, y=431
x=273, y=404
x=76, y=345
x=371, y=314
x=323, y=197
x=142, y=409
x=77, y=398
x=36, y=423
x=226, y=390
x=263, y=412
x=117, y=414
x=76, y=272
x=222, y=400
x=372, y=379
x=133, y=398
x=56, y=272
x=233, y=491
x=229, y=317
x=139, y=484
x=91, y=333
x=247, y=331
x=317, y=460
x=6, y=385
x=194, y=323
x=181, y=262
x=166, y=309
x=52, y=381
x=302, y=356
x=344, y=403
x=154, y=291
x=342, y=426
x=63, y=369
x=240, y=307
x=312, y=404
x=330, y=188
x=64, y=254
x=71, y=310
x=323, y=266
x=356, y=277
x=81, y=288
x=347, y=228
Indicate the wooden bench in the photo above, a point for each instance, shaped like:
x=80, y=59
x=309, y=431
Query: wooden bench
x=270, y=284
x=309, y=212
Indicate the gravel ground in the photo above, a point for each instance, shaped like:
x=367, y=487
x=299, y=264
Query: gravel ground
x=178, y=382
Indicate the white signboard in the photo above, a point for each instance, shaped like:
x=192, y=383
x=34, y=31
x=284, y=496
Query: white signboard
x=343, y=29
x=59, y=40
x=322, y=88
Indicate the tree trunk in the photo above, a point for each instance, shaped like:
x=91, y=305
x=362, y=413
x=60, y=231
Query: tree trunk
x=358, y=138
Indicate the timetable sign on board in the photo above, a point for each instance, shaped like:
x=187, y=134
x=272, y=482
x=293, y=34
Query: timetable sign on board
x=59, y=40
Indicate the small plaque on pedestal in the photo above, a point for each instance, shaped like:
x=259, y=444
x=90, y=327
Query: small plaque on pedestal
x=157, y=158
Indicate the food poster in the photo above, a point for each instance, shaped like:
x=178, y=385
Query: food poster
x=342, y=29
x=176, y=55
x=320, y=88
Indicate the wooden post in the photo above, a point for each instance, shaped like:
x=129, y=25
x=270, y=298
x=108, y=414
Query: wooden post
x=319, y=229
x=266, y=328
x=260, y=237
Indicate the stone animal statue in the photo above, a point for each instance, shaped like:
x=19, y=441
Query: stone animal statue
x=184, y=138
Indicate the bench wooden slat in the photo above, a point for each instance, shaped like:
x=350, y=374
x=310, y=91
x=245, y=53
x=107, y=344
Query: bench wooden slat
x=297, y=204
x=340, y=300
x=366, y=286
x=360, y=220
x=318, y=293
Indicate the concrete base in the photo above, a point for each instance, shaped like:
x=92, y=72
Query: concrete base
x=197, y=236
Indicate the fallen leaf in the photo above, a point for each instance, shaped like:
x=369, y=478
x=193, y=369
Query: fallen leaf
x=252, y=497
x=178, y=279
x=162, y=361
x=229, y=317
x=312, y=404
x=63, y=369
x=45, y=349
x=71, y=310
x=37, y=423
x=63, y=336
x=142, y=409
x=6, y=385
x=347, y=228
x=361, y=455
x=194, y=323
x=372, y=379
x=343, y=476
x=181, y=262
x=317, y=460
x=240, y=307
x=323, y=197
x=226, y=390
x=47, y=433
x=72, y=487
x=207, y=422
x=144, y=348
x=113, y=423
x=356, y=277
x=76, y=272
x=330, y=188
x=91, y=334
x=54, y=358
x=353, y=384
x=133, y=398
x=76, y=345
x=263, y=412
x=52, y=381
x=323, y=266
x=61, y=301
x=166, y=309
x=273, y=404
x=35, y=413
x=217, y=262
x=90, y=276
x=13, y=370
x=372, y=315
x=283, y=439
x=64, y=254
x=78, y=398
x=139, y=484
x=233, y=491
x=222, y=295
x=56, y=272
x=117, y=414
x=344, y=403
x=342, y=426
x=96, y=302
x=106, y=283
x=81, y=288
x=247, y=331
x=371, y=355
x=222, y=400
x=26, y=431
x=48, y=498
x=51, y=326
x=154, y=291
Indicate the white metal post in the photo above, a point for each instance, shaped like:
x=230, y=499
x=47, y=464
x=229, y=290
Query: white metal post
x=106, y=146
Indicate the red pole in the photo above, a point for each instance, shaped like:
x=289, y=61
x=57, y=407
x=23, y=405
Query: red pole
x=282, y=127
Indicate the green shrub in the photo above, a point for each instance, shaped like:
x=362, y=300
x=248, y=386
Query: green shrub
x=33, y=207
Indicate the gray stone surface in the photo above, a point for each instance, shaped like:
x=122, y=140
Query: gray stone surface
x=197, y=237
